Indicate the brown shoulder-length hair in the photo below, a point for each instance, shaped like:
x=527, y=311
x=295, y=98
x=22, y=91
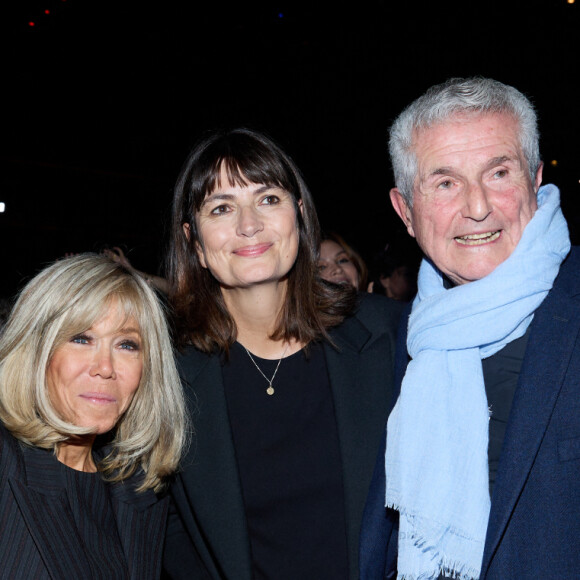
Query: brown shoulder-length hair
x=202, y=319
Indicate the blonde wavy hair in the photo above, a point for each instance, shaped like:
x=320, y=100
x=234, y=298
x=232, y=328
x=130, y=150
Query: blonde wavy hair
x=62, y=301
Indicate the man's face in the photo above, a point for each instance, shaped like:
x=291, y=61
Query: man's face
x=472, y=196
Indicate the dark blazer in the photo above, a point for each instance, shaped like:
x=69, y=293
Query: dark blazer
x=38, y=535
x=534, y=524
x=208, y=494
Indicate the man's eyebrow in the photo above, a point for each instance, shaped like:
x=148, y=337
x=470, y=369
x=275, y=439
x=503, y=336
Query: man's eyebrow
x=500, y=160
x=446, y=170
x=441, y=171
x=437, y=172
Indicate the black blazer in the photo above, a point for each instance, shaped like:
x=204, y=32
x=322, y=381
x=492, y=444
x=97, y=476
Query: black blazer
x=534, y=523
x=38, y=535
x=208, y=493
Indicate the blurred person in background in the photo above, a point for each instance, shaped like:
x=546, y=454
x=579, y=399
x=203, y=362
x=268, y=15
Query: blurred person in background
x=338, y=262
x=394, y=273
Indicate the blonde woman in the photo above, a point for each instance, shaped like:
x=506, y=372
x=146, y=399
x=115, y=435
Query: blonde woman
x=92, y=423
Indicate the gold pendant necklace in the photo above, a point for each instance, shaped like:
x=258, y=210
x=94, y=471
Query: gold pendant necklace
x=270, y=389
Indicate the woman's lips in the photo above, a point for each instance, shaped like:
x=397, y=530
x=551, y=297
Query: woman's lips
x=252, y=251
x=98, y=398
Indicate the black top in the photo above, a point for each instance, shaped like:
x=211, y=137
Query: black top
x=90, y=504
x=500, y=373
x=289, y=463
x=500, y=376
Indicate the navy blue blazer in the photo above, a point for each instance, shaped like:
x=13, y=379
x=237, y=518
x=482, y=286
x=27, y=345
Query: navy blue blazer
x=534, y=523
x=208, y=492
x=38, y=534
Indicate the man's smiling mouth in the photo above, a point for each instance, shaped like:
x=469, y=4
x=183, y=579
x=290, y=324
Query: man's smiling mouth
x=478, y=239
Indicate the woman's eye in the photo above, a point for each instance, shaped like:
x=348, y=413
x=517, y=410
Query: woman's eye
x=500, y=173
x=130, y=345
x=81, y=339
x=270, y=200
x=344, y=261
x=321, y=267
x=220, y=209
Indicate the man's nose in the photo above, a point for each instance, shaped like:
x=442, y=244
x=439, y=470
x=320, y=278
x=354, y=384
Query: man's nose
x=477, y=204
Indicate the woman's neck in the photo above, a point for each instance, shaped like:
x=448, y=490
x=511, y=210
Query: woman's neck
x=77, y=455
x=256, y=312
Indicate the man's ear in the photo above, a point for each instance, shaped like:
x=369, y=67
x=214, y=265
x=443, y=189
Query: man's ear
x=198, y=248
x=539, y=177
x=402, y=209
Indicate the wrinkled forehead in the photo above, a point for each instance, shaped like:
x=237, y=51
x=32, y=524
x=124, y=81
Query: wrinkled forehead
x=463, y=121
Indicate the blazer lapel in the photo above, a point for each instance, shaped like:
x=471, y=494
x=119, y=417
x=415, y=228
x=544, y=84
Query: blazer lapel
x=211, y=476
x=47, y=515
x=141, y=520
x=554, y=331
x=353, y=391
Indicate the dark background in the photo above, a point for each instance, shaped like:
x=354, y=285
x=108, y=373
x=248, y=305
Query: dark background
x=102, y=101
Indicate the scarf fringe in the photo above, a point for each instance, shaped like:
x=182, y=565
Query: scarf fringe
x=448, y=570
x=407, y=513
x=447, y=566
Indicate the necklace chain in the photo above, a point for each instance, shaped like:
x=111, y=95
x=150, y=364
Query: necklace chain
x=270, y=389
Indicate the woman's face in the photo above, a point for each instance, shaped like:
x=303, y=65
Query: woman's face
x=248, y=234
x=92, y=378
x=335, y=266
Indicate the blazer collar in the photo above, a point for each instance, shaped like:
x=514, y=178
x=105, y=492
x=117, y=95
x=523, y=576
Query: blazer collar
x=44, y=505
x=45, y=509
x=354, y=386
x=215, y=490
x=351, y=334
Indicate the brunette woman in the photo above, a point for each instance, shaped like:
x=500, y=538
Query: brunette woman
x=289, y=377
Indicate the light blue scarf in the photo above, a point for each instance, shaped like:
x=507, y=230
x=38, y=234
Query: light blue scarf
x=437, y=435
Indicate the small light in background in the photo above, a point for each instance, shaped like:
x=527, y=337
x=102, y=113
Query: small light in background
x=554, y=163
x=47, y=11
x=570, y=1
x=31, y=23
x=2, y=207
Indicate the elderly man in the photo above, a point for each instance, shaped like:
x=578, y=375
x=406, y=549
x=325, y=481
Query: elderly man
x=482, y=454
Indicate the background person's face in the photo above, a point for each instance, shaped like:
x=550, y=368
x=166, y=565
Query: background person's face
x=335, y=266
x=472, y=196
